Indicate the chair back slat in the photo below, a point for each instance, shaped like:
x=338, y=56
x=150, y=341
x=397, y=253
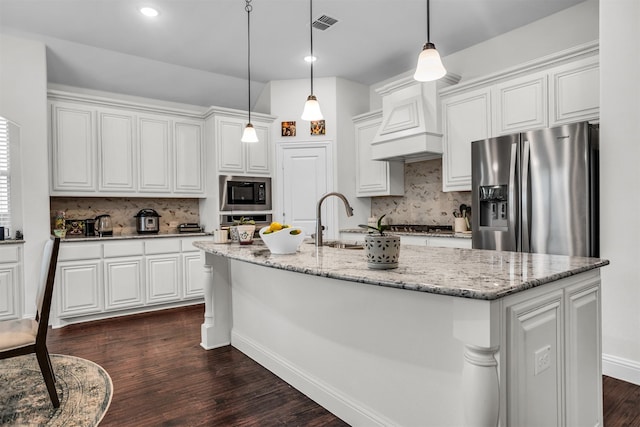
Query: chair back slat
x=45, y=293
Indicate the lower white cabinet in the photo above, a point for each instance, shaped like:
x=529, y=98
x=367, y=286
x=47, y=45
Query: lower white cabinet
x=552, y=357
x=10, y=281
x=417, y=240
x=100, y=279
x=163, y=278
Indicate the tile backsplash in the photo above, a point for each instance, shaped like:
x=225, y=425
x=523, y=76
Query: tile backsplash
x=424, y=202
x=123, y=210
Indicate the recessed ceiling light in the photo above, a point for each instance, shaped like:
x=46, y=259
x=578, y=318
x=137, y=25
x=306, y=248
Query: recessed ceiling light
x=310, y=58
x=149, y=11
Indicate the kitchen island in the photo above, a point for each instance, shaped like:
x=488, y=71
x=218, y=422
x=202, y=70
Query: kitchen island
x=452, y=337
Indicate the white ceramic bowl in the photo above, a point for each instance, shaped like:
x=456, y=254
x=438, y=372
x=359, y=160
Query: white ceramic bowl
x=282, y=242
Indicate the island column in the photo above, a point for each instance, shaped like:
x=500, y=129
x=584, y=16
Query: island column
x=216, y=330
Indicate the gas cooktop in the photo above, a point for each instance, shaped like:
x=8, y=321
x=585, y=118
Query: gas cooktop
x=421, y=228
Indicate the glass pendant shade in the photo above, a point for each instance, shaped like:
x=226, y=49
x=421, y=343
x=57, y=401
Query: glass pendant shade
x=311, y=110
x=429, y=65
x=249, y=134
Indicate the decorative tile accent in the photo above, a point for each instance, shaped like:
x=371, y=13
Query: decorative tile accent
x=424, y=202
x=123, y=210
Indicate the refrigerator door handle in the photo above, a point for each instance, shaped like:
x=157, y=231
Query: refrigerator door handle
x=514, y=223
x=526, y=198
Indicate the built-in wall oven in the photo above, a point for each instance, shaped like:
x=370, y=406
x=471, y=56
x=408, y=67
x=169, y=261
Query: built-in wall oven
x=245, y=193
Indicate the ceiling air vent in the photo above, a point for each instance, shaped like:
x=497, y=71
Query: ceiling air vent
x=324, y=22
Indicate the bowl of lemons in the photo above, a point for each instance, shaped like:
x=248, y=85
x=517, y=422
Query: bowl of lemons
x=281, y=238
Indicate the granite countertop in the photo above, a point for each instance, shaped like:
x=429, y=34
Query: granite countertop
x=10, y=241
x=466, y=235
x=468, y=273
x=128, y=236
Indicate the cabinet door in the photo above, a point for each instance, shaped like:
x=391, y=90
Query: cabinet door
x=78, y=288
x=449, y=242
x=9, y=292
x=188, y=157
x=521, y=104
x=575, y=92
x=73, y=148
x=535, y=361
x=116, y=151
x=163, y=278
x=154, y=145
x=259, y=153
x=466, y=118
x=193, y=280
x=123, y=282
x=230, y=148
x=375, y=177
x=583, y=350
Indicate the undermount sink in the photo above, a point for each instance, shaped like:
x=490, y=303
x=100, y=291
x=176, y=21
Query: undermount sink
x=341, y=245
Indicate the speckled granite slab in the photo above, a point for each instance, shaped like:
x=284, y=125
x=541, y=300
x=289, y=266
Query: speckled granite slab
x=468, y=273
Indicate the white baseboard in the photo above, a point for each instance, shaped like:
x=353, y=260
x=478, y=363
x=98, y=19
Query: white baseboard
x=328, y=397
x=622, y=369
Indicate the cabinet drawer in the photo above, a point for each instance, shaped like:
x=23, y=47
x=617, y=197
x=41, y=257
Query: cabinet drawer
x=9, y=253
x=75, y=251
x=187, y=243
x=121, y=249
x=162, y=246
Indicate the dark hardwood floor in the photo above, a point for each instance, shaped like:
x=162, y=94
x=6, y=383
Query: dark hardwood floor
x=162, y=377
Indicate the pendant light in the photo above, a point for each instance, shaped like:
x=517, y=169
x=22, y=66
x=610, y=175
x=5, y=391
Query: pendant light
x=311, y=110
x=429, y=63
x=249, y=134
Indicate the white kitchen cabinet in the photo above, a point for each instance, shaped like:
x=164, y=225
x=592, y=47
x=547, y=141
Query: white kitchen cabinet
x=521, y=104
x=374, y=177
x=123, y=279
x=79, y=288
x=188, y=157
x=123, y=274
x=575, y=92
x=73, y=148
x=98, y=279
x=113, y=150
x=163, y=278
x=553, y=356
x=154, y=154
x=10, y=281
x=466, y=117
x=116, y=150
x=449, y=242
x=238, y=157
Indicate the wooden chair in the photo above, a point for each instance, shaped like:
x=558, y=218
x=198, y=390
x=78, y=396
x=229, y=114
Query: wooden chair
x=26, y=336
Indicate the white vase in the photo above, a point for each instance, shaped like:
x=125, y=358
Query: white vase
x=382, y=251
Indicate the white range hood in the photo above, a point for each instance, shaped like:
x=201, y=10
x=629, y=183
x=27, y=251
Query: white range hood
x=410, y=128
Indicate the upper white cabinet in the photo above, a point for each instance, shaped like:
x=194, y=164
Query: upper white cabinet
x=374, y=177
x=535, y=95
x=574, y=92
x=116, y=150
x=238, y=157
x=73, y=148
x=188, y=158
x=112, y=150
x=521, y=104
x=466, y=118
x=154, y=158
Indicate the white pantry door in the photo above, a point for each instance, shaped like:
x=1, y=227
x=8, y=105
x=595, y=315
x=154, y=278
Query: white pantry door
x=304, y=176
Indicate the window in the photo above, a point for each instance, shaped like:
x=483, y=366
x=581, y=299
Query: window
x=5, y=175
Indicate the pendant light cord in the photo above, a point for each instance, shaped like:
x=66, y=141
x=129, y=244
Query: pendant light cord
x=311, y=38
x=249, y=8
x=428, y=23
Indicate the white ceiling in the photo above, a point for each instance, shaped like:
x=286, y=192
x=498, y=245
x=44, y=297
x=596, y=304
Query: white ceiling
x=195, y=51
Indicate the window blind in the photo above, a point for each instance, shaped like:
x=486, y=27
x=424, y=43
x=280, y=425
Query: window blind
x=5, y=175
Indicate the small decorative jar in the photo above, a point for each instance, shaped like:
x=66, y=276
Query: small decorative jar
x=382, y=251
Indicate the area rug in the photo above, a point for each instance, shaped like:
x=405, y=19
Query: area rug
x=84, y=389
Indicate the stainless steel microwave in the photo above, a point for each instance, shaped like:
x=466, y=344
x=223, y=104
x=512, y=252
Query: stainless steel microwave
x=245, y=193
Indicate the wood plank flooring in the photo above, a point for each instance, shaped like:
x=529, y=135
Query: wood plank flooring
x=162, y=377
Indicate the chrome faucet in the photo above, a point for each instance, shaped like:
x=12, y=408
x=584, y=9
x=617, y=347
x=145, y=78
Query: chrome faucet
x=319, y=226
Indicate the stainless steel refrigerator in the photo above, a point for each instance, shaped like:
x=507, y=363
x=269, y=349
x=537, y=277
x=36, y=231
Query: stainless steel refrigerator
x=537, y=191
